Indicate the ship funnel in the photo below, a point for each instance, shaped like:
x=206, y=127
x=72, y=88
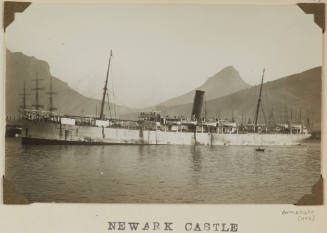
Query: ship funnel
x=197, y=105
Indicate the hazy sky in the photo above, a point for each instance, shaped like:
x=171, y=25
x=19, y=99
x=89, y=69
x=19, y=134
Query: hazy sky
x=161, y=51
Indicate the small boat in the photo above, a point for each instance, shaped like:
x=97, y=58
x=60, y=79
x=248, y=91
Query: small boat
x=260, y=149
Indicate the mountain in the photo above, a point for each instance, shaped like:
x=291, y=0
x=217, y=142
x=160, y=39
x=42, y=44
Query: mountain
x=223, y=83
x=21, y=68
x=292, y=97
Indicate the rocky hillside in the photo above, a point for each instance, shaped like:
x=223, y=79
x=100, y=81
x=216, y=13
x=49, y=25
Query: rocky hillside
x=21, y=68
x=292, y=97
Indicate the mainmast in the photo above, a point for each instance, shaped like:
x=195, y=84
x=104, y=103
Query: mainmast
x=286, y=114
x=23, y=106
x=51, y=93
x=105, y=88
x=37, y=105
x=259, y=102
x=205, y=110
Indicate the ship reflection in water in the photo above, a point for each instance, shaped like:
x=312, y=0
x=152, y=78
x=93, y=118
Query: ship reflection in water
x=161, y=173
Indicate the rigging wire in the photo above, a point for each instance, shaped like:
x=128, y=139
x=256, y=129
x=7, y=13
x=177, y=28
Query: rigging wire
x=253, y=114
x=113, y=94
x=113, y=97
x=263, y=113
x=109, y=112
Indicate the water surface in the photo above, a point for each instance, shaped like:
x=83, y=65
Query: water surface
x=162, y=173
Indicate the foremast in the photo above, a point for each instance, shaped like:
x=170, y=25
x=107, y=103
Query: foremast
x=259, y=103
x=105, y=89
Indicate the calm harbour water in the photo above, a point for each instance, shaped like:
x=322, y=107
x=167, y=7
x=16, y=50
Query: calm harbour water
x=162, y=174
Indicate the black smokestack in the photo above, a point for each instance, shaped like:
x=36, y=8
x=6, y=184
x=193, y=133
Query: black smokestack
x=197, y=105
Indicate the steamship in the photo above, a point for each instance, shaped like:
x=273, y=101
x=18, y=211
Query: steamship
x=49, y=127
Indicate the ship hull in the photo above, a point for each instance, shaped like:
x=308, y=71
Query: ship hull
x=44, y=132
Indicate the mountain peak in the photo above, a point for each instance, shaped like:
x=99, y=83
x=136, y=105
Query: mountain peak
x=227, y=72
x=299, y=93
x=229, y=77
x=228, y=69
x=225, y=82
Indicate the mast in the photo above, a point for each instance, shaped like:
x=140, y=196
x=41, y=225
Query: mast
x=271, y=119
x=259, y=102
x=51, y=93
x=24, y=105
x=286, y=113
x=37, y=104
x=205, y=110
x=24, y=97
x=105, y=88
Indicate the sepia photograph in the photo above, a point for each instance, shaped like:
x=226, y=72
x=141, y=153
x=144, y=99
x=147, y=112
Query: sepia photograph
x=141, y=103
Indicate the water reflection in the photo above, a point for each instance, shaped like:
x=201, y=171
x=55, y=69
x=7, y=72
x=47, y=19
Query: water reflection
x=141, y=149
x=257, y=156
x=196, y=158
x=162, y=174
